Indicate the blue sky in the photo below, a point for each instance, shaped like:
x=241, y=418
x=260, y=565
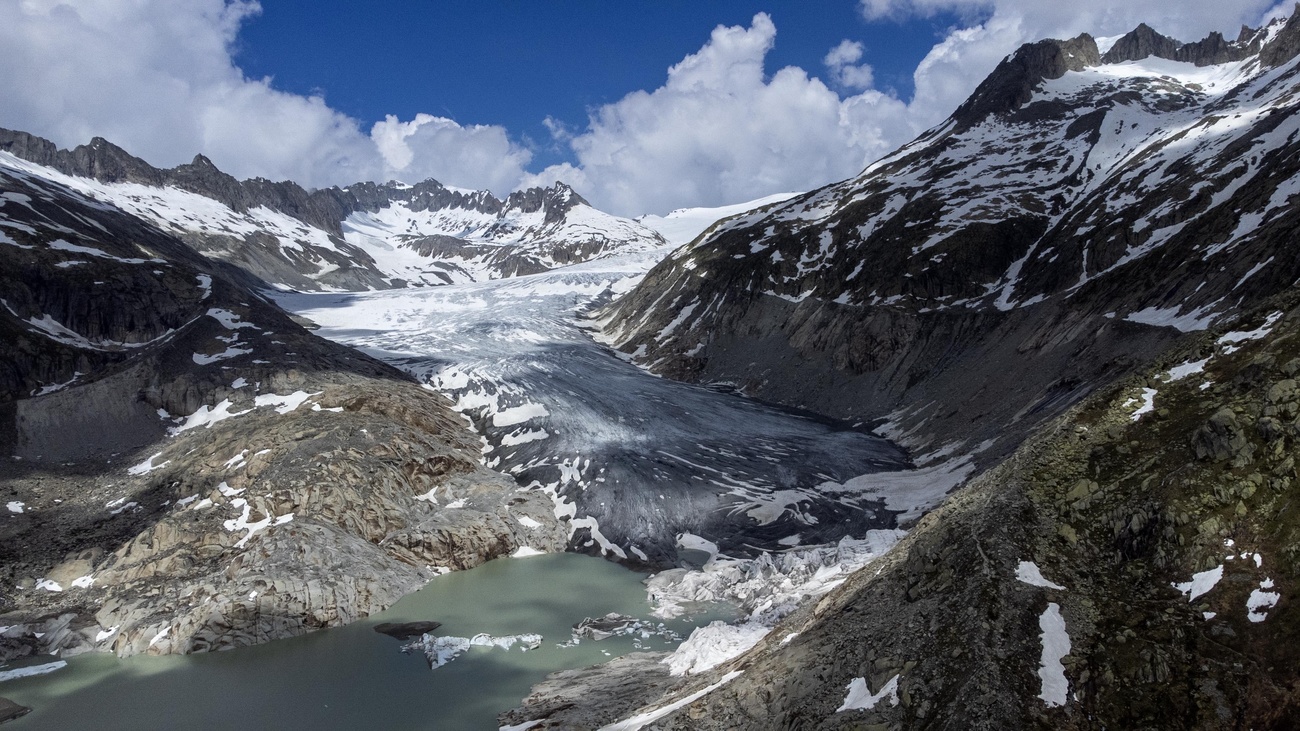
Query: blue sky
x=517, y=63
x=652, y=104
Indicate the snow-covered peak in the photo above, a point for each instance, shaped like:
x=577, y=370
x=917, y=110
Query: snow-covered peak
x=684, y=224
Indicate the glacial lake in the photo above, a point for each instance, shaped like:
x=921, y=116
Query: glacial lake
x=353, y=677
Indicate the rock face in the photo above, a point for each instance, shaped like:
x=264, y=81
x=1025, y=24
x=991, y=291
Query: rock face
x=364, y=236
x=1070, y=221
x=1110, y=574
x=185, y=468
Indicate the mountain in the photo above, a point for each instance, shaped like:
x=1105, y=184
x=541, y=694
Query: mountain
x=685, y=224
x=364, y=236
x=157, y=412
x=1070, y=220
x=1083, y=281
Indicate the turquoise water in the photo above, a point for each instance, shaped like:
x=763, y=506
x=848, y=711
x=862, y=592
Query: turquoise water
x=353, y=677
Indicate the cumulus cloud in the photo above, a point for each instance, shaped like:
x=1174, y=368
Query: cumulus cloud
x=842, y=63
x=157, y=78
x=477, y=156
x=719, y=131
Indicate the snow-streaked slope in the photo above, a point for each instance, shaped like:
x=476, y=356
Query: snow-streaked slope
x=385, y=236
x=684, y=224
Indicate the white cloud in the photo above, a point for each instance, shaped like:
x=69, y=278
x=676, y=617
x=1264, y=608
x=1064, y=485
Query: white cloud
x=477, y=156
x=157, y=78
x=720, y=131
x=842, y=63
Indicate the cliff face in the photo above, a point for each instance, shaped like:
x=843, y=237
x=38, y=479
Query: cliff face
x=1071, y=220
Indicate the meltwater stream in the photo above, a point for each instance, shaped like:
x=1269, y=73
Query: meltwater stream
x=635, y=461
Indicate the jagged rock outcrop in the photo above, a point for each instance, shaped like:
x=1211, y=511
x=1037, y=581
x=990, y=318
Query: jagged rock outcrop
x=186, y=468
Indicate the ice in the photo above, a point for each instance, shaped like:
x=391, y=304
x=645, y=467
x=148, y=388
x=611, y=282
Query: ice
x=1201, y=583
x=713, y=644
x=635, y=723
x=441, y=650
x=105, y=634
x=910, y=492
x=527, y=522
x=32, y=670
x=526, y=551
x=15, y=506
x=1027, y=571
x=859, y=698
x=48, y=585
x=1056, y=645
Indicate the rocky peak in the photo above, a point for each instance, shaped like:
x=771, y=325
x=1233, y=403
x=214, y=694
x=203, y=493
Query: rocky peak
x=1144, y=42
x=105, y=161
x=556, y=201
x=1012, y=83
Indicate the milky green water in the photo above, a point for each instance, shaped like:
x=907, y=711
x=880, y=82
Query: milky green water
x=353, y=677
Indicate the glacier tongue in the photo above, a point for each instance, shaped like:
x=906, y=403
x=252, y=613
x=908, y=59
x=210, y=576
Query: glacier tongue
x=632, y=461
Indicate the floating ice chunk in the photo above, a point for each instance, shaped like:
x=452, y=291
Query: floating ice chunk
x=859, y=698
x=1056, y=645
x=441, y=650
x=31, y=670
x=1028, y=572
x=1201, y=583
